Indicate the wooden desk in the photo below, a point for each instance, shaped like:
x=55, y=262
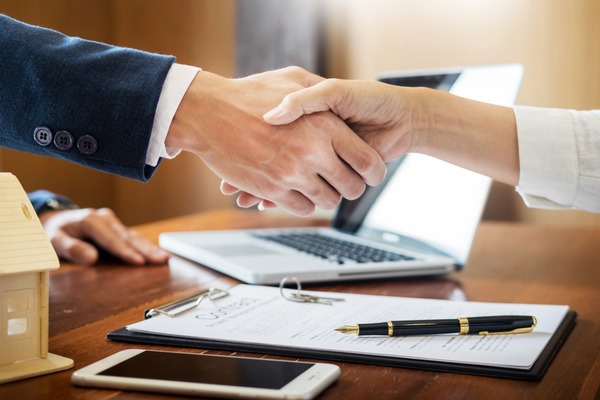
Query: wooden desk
x=509, y=263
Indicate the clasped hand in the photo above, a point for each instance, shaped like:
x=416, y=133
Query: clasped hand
x=312, y=161
x=363, y=112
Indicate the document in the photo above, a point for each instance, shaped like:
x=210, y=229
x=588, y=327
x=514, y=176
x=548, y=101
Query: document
x=259, y=315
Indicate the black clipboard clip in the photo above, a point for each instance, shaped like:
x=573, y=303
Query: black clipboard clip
x=177, y=307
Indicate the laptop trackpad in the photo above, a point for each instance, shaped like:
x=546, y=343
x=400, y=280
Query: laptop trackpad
x=240, y=250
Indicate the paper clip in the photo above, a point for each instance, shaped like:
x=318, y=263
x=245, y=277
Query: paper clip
x=300, y=297
x=176, y=307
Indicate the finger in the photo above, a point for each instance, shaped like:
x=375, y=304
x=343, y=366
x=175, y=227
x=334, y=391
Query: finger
x=305, y=101
x=335, y=177
x=347, y=182
x=246, y=200
x=106, y=230
x=73, y=250
x=266, y=204
x=318, y=191
x=151, y=253
x=292, y=191
x=361, y=157
x=228, y=189
x=294, y=202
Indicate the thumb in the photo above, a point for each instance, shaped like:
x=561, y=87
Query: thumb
x=74, y=250
x=305, y=101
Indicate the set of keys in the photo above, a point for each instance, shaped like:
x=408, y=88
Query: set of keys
x=300, y=297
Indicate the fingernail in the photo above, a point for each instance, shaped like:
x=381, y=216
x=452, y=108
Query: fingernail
x=273, y=113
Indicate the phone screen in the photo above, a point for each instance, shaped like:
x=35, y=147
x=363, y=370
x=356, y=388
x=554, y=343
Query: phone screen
x=230, y=371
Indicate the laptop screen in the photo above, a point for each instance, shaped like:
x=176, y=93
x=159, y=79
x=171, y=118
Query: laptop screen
x=426, y=203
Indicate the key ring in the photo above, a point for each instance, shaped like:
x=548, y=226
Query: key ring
x=297, y=297
x=300, y=297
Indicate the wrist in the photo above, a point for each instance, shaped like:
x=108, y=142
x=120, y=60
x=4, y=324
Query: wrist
x=477, y=136
x=189, y=125
x=52, y=206
x=57, y=204
x=43, y=200
x=418, y=118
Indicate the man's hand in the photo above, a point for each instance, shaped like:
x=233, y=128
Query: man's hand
x=371, y=109
x=313, y=161
x=72, y=233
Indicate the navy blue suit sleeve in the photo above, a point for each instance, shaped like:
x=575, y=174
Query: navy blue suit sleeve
x=39, y=199
x=86, y=88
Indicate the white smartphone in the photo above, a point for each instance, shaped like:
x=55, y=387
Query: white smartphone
x=207, y=375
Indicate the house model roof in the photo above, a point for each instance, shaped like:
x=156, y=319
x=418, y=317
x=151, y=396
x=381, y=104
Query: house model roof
x=24, y=247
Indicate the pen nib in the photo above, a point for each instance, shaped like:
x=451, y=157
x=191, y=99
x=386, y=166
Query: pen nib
x=347, y=329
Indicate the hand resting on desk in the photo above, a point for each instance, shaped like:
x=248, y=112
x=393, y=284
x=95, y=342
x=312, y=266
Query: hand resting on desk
x=72, y=233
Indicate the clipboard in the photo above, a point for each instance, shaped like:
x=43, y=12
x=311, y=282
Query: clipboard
x=536, y=371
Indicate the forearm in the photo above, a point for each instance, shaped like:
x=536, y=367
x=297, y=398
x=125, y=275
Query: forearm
x=197, y=117
x=477, y=136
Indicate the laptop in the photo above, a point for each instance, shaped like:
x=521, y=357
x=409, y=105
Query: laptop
x=420, y=221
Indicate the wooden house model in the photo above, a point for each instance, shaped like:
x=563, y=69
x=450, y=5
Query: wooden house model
x=26, y=257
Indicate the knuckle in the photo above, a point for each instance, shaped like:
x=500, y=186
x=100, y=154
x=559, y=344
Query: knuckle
x=89, y=215
x=323, y=121
x=368, y=164
x=268, y=188
x=305, y=208
x=294, y=202
x=294, y=70
x=331, y=84
x=105, y=211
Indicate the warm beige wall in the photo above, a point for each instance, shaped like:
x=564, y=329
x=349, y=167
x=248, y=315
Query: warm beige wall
x=556, y=40
x=197, y=32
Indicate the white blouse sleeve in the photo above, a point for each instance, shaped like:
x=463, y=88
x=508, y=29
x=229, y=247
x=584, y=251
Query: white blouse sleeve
x=559, y=153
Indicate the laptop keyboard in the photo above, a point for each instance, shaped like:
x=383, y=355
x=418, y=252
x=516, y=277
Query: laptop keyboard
x=335, y=250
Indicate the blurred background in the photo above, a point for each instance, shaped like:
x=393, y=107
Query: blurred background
x=557, y=41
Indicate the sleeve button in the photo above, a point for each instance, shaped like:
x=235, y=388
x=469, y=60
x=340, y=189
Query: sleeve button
x=42, y=135
x=87, y=145
x=63, y=140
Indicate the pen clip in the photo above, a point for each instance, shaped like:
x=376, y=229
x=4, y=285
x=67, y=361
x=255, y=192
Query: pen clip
x=525, y=329
x=177, y=307
x=517, y=330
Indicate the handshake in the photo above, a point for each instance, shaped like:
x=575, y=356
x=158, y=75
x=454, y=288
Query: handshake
x=293, y=139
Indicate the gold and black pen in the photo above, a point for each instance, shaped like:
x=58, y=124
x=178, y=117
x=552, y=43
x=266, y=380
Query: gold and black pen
x=493, y=325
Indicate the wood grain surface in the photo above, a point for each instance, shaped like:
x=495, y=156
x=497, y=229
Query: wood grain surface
x=510, y=262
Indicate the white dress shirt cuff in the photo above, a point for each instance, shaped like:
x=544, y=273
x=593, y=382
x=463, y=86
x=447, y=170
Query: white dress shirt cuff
x=548, y=157
x=176, y=84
